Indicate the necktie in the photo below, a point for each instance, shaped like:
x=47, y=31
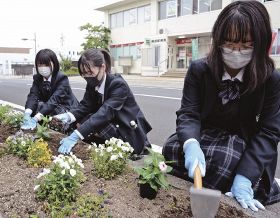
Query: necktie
x=230, y=90
x=98, y=98
x=46, y=90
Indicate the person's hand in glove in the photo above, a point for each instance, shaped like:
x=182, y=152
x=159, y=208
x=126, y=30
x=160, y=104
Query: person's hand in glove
x=194, y=157
x=28, y=122
x=242, y=191
x=66, y=144
x=65, y=118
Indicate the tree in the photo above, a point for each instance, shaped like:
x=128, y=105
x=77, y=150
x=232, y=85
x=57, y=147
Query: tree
x=65, y=63
x=97, y=36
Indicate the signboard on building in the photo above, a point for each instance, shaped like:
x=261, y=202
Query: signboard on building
x=183, y=41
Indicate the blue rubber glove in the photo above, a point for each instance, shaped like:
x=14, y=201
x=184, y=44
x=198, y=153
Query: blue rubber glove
x=66, y=144
x=193, y=157
x=65, y=118
x=242, y=191
x=28, y=122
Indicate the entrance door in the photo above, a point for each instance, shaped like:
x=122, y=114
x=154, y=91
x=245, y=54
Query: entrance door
x=181, y=57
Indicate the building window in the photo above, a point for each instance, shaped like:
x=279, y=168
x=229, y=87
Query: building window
x=186, y=7
x=126, y=18
x=209, y=5
x=133, y=51
x=126, y=51
x=147, y=13
x=141, y=15
x=116, y=20
x=275, y=48
x=133, y=16
x=144, y=14
x=130, y=17
x=167, y=9
x=119, y=52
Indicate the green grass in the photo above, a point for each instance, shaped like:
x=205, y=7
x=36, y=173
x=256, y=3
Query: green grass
x=73, y=71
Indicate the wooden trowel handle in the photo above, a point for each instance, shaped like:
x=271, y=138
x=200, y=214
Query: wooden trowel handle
x=197, y=178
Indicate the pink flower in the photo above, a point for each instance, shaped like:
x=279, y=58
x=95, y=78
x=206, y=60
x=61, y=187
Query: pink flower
x=162, y=166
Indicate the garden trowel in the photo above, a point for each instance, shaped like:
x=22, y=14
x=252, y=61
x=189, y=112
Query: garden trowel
x=204, y=202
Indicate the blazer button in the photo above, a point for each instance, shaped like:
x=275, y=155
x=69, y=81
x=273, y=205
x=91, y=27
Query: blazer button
x=117, y=126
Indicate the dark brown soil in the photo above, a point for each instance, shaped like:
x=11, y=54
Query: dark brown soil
x=17, y=181
x=6, y=131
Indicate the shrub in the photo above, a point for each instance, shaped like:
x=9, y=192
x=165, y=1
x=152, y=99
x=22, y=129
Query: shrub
x=4, y=109
x=73, y=71
x=86, y=206
x=13, y=119
x=19, y=143
x=59, y=184
x=154, y=171
x=43, y=129
x=39, y=155
x=111, y=158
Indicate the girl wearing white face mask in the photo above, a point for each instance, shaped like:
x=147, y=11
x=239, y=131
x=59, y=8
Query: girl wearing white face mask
x=50, y=93
x=229, y=121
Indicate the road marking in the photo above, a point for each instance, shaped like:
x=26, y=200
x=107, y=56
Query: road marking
x=156, y=87
x=143, y=95
x=157, y=96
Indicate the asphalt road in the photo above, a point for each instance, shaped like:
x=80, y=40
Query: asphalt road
x=159, y=98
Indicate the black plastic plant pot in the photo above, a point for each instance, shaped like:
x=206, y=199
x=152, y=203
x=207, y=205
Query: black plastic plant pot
x=146, y=191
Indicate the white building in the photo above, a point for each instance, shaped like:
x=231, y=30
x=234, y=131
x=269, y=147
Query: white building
x=160, y=37
x=15, y=60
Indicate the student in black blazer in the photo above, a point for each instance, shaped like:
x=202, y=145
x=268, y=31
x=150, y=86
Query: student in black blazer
x=108, y=108
x=50, y=93
x=229, y=120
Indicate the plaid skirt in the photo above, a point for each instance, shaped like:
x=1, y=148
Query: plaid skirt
x=222, y=154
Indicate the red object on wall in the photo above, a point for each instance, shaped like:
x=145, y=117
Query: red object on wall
x=183, y=41
x=274, y=34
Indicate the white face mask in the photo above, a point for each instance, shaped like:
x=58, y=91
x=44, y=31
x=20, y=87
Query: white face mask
x=45, y=71
x=236, y=60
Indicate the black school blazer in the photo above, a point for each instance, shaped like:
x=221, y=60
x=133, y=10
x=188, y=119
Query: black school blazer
x=119, y=108
x=61, y=94
x=259, y=120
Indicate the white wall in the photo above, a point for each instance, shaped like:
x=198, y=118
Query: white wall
x=7, y=59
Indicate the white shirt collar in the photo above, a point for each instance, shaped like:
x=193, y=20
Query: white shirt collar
x=239, y=76
x=49, y=79
x=101, y=88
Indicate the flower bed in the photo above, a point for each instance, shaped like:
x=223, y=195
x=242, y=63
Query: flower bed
x=90, y=193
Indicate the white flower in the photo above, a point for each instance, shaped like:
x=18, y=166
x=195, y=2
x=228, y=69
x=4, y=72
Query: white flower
x=101, y=147
x=70, y=160
x=120, y=155
x=81, y=165
x=64, y=165
x=36, y=187
x=109, y=149
x=89, y=147
x=73, y=172
x=63, y=172
x=125, y=148
x=162, y=166
x=45, y=172
x=119, y=144
x=114, y=157
x=23, y=143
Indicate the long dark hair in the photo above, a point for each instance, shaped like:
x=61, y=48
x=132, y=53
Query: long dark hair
x=47, y=56
x=95, y=57
x=236, y=21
